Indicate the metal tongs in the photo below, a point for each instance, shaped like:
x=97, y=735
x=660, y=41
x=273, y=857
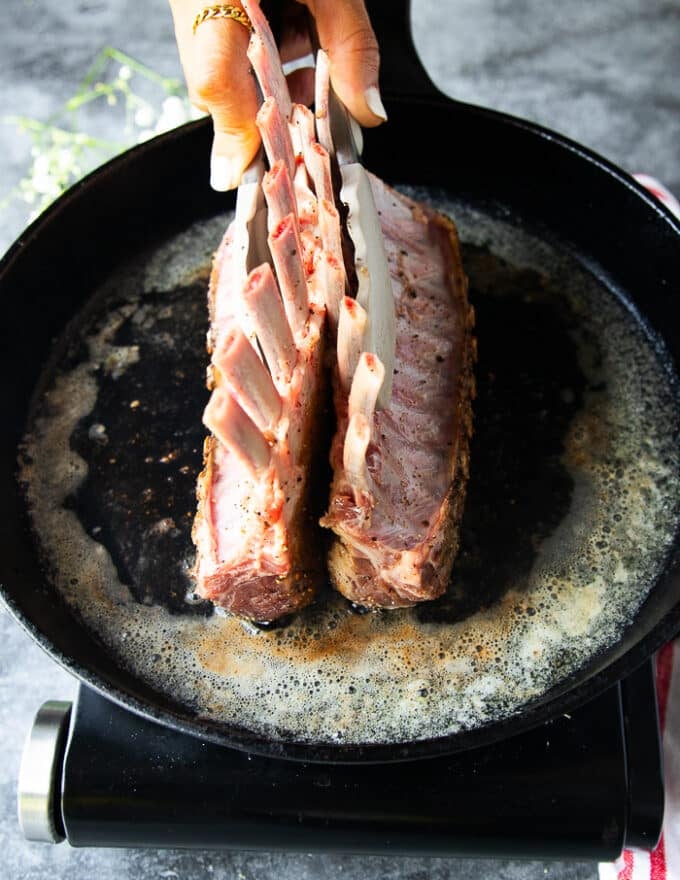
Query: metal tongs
x=341, y=136
x=374, y=291
x=251, y=246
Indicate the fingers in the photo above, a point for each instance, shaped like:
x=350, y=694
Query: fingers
x=219, y=82
x=346, y=33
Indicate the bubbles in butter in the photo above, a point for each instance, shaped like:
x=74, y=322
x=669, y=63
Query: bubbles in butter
x=334, y=676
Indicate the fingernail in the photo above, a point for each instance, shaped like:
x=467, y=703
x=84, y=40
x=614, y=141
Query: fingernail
x=375, y=104
x=223, y=174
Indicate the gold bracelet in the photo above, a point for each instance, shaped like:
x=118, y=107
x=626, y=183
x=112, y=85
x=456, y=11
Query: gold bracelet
x=235, y=13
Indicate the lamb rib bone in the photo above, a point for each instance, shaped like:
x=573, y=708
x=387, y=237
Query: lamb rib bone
x=351, y=330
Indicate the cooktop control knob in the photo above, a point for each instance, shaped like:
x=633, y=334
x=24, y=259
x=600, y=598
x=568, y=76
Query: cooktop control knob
x=39, y=787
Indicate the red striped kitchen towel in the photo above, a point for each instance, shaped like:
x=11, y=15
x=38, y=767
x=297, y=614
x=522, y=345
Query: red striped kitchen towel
x=664, y=862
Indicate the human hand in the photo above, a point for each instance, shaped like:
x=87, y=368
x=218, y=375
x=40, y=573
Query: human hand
x=217, y=73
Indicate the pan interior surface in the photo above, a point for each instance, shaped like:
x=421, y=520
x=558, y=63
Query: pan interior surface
x=572, y=504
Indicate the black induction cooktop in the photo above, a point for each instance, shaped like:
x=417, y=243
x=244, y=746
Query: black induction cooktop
x=583, y=786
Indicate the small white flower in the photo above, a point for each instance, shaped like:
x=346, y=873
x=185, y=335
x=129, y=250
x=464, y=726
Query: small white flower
x=41, y=166
x=145, y=134
x=124, y=73
x=42, y=182
x=144, y=116
x=65, y=159
x=173, y=114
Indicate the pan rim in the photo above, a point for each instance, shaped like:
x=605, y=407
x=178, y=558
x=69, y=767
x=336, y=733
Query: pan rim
x=351, y=753
x=528, y=717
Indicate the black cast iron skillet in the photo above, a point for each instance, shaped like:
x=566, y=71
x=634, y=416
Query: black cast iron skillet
x=495, y=163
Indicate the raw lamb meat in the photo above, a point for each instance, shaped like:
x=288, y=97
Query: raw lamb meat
x=400, y=473
x=254, y=554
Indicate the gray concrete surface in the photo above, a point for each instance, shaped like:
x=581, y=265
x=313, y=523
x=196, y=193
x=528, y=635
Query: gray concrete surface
x=605, y=73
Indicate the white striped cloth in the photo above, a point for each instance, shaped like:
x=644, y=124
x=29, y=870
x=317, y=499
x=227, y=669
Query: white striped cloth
x=664, y=862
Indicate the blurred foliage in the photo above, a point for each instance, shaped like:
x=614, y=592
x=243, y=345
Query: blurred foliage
x=62, y=151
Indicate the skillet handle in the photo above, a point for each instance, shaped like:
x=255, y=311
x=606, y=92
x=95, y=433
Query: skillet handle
x=401, y=70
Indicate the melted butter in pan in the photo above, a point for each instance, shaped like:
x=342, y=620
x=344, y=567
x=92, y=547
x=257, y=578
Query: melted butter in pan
x=572, y=503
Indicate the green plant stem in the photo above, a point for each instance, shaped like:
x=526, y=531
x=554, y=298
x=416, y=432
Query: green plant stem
x=27, y=124
x=59, y=141
x=167, y=83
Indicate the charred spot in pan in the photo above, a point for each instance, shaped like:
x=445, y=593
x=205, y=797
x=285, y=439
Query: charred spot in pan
x=519, y=489
x=138, y=498
x=271, y=625
x=355, y=608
